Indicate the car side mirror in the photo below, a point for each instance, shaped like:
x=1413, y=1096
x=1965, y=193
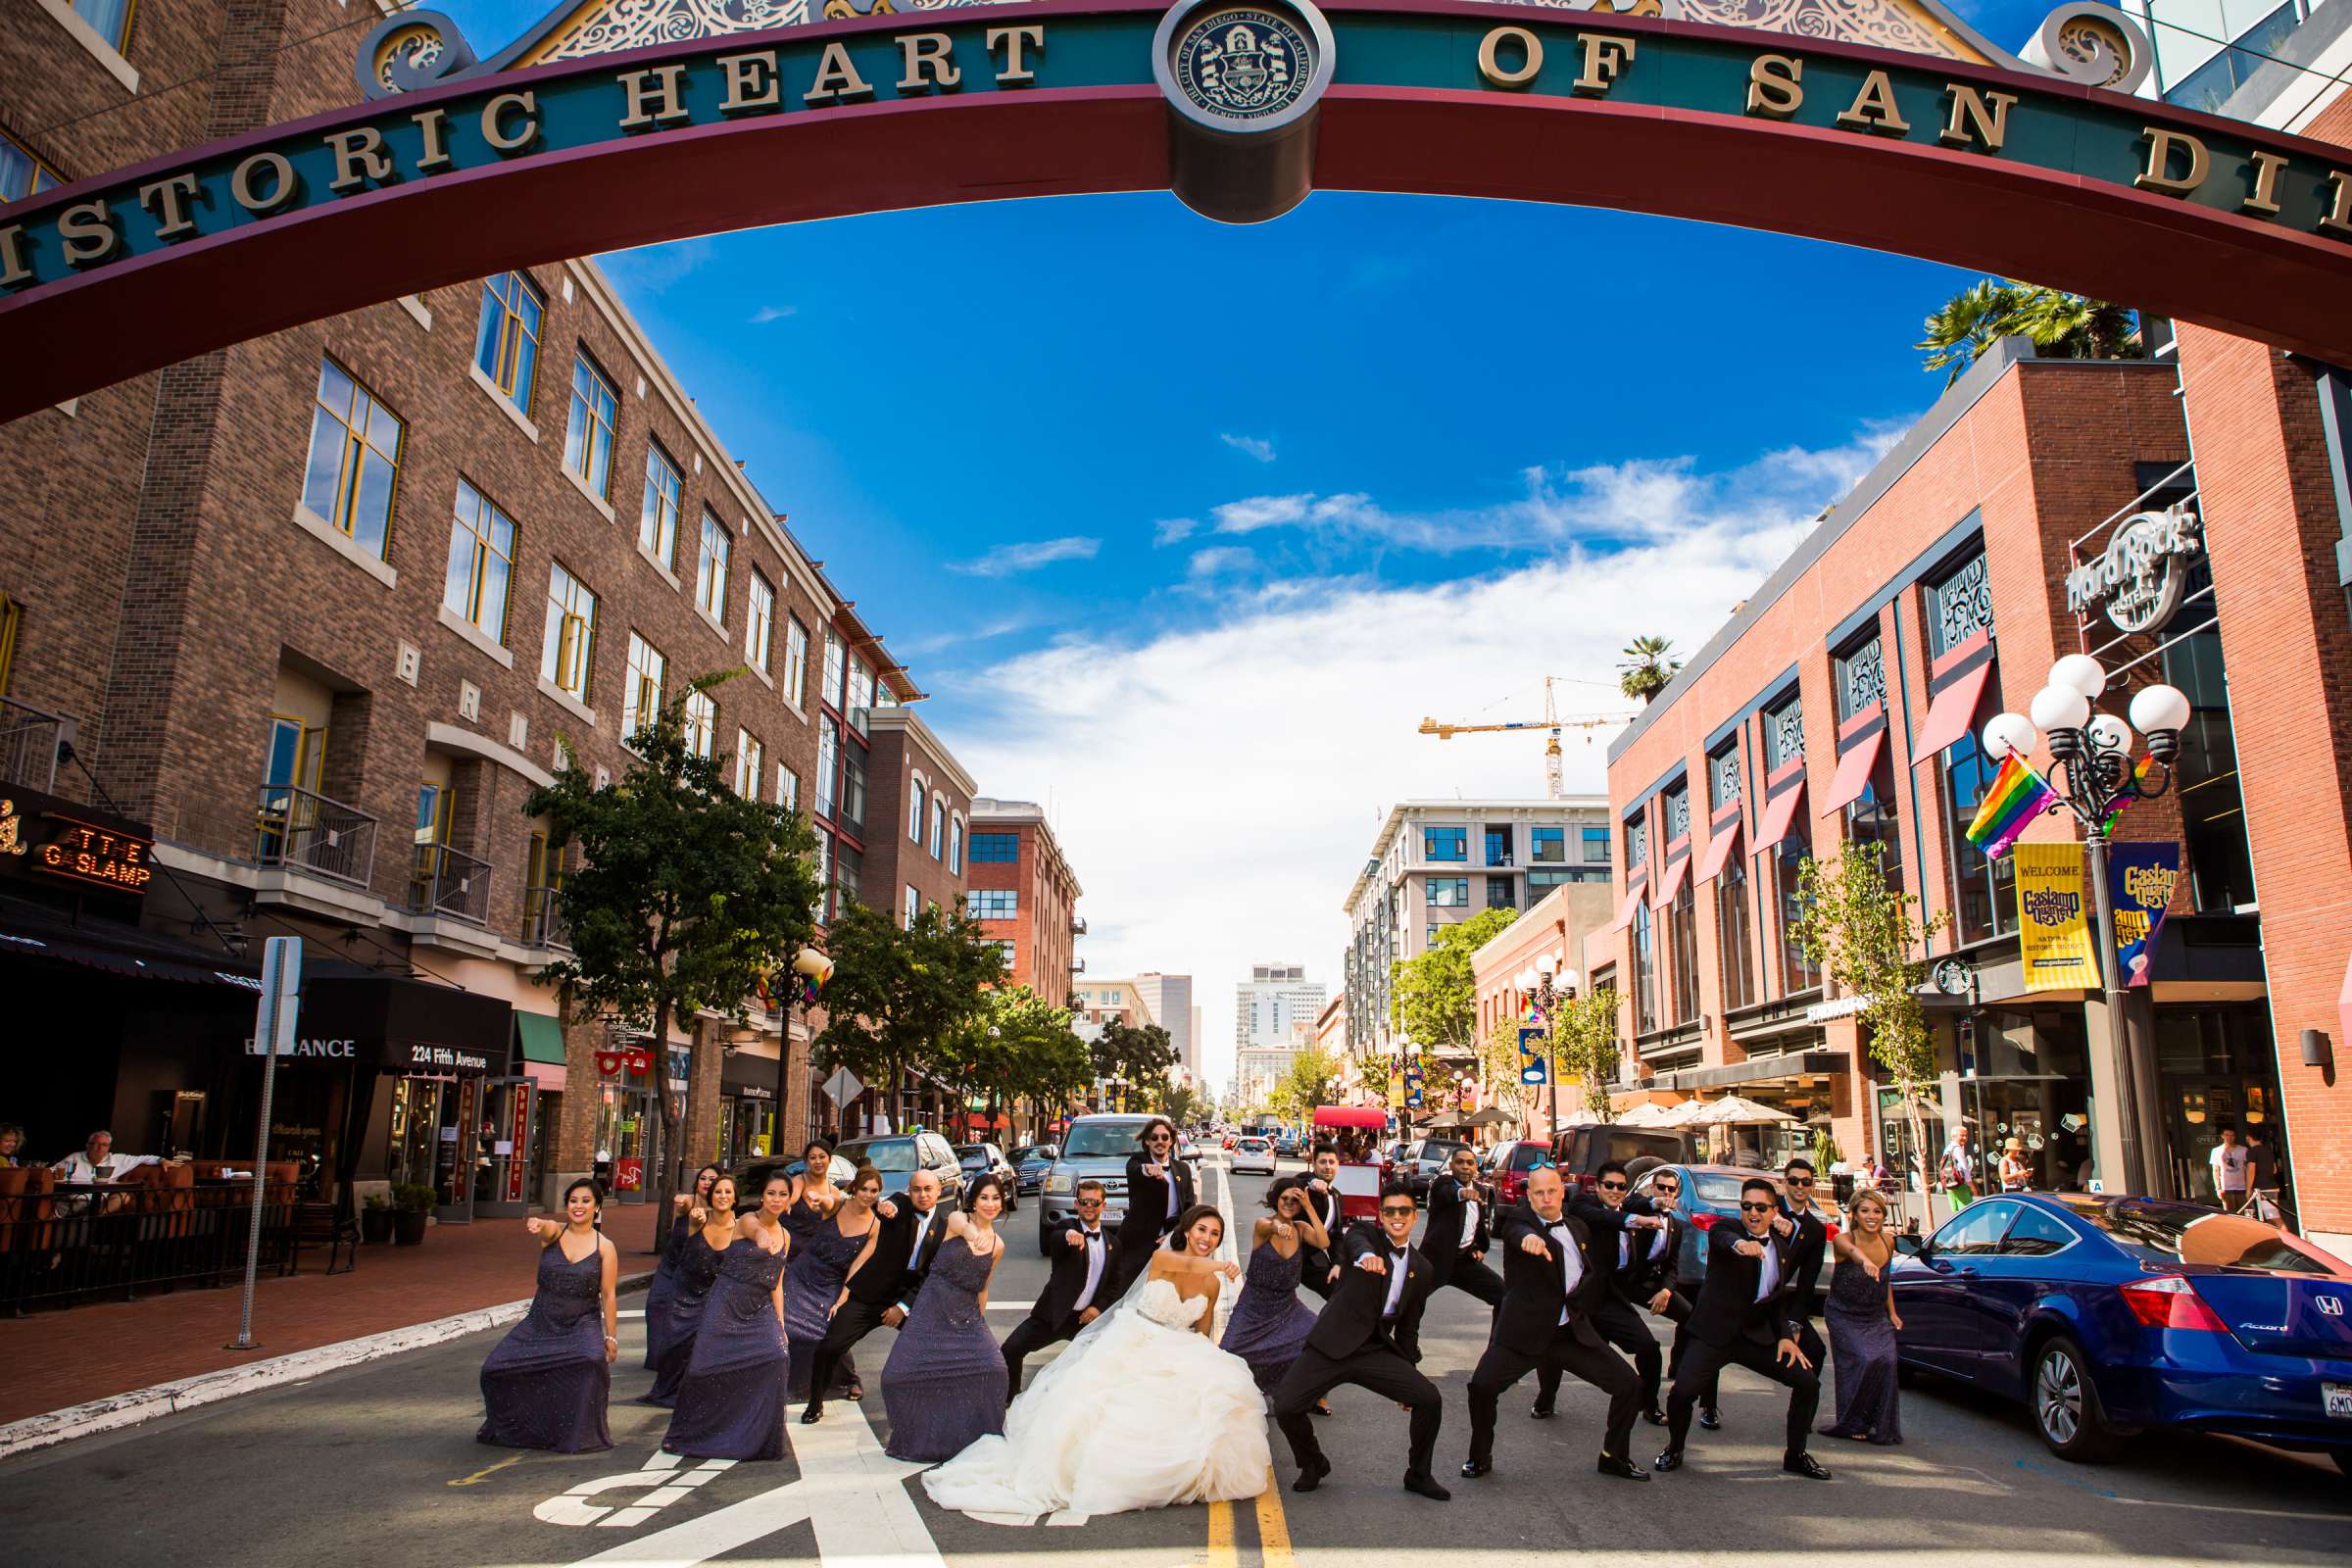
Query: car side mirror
x=1910, y=1246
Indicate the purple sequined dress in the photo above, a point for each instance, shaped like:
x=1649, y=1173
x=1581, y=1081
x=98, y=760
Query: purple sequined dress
x=821, y=1258
x=1862, y=1345
x=546, y=1384
x=731, y=1400
x=944, y=1383
x=679, y=1315
x=1269, y=1323
x=658, y=1294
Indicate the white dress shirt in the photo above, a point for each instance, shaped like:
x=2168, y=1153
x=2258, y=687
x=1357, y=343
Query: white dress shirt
x=922, y=1228
x=78, y=1170
x=1572, y=1261
x=1399, y=1266
x=1469, y=1219
x=1767, y=1278
x=1094, y=1269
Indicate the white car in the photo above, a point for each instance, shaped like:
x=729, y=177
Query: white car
x=1253, y=1154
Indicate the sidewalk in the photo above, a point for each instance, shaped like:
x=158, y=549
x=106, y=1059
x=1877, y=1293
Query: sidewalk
x=71, y=1355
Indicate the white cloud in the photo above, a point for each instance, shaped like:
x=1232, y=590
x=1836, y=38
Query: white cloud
x=1253, y=446
x=773, y=312
x=1262, y=511
x=1233, y=775
x=1172, y=530
x=1027, y=555
x=1220, y=560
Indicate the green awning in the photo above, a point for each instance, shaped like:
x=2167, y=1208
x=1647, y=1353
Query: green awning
x=542, y=1037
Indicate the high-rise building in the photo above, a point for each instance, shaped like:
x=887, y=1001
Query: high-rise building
x=1169, y=999
x=1267, y=1007
x=1023, y=892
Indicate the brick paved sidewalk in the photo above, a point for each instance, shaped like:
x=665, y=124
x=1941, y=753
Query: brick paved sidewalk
x=67, y=1355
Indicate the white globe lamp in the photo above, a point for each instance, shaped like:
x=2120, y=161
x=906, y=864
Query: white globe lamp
x=2081, y=671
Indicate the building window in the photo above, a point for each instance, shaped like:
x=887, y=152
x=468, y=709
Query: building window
x=914, y=810
x=758, y=622
x=1788, y=872
x=2205, y=781
x=1681, y=952
x=847, y=862
x=108, y=18
x=1677, y=804
x=1636, y=846
x=751, y=765
x=1646, y=970
x=588, y=437
x=1723, y=779
x=482, y=561
x=851, y=808
x=1959, y=606
x=1549, y=845
x=788, y=788
x=914, y=905
x=1733, y=927
x=836, y=655
x=658, y=518
x=1499, y=846
x=1871, y=821
x=828, y=767
x=570, y=644
x=795, y=662
x=825, y=876
x=702, y=724
x=354, y=467
x=995, y=848
x=992, y=904
x=1448, y=892
x=861, y=709
x=506, y=348
x=1499, y=894
x=640, y=701
x=1984, y=886
x=1540, y=882
x=1597, y=846
x=711, y=567
x=1784, y=735
x=12, y=616
x=956, y=847
x=1445, y=844
x=939, y=825
x=22, y=174
x=1860, y=679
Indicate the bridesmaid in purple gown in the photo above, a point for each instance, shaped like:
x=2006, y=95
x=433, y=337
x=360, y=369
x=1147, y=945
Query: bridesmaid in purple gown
x=821, y=1258
x=1269, y=1323
x=731, y=1400
x=657, y=1317
x=546, y=1384
x=1862, y=1319
x=944, y=1384
x=679, y=1317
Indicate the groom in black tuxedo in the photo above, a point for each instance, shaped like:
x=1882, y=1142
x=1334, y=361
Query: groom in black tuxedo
x=883, y=1286
x=1076, y=1294
x=1160, y=1187
x=1369, y=1335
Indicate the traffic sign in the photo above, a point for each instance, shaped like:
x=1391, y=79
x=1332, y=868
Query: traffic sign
x=843, y=1087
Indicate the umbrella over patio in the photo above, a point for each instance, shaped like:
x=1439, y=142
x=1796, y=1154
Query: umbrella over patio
x=1736, y=1110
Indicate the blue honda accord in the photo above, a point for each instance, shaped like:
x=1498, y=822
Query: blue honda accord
x=2109, y=1316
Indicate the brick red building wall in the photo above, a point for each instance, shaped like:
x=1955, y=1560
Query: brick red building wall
x=903, y=750
x=1039, y=933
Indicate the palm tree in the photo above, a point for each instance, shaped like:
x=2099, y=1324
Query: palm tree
x=1646, y=669
x=1968, y=322
x=2061, y=325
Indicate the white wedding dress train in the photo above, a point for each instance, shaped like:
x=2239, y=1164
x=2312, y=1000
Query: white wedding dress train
x=1141, y=1411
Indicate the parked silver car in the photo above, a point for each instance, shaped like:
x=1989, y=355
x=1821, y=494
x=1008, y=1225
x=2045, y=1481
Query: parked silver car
x=1096, y=1147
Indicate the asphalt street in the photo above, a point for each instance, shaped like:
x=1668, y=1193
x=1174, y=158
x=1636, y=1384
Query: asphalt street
x=379, y=1465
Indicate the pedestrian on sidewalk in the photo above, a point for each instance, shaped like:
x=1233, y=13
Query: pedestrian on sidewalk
x=665, y=1275
x=549, y=1381
x=2230, y=1164
x=679, y=1319
x=1957, y=1170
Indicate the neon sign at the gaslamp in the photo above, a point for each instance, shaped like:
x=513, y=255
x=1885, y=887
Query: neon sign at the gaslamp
x=101, y=856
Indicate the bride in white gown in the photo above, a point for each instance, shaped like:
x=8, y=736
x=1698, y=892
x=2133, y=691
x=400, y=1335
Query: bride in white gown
x=1141, y=1411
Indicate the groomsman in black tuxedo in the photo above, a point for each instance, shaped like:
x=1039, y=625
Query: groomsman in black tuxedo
x=1642, y=1245
x=1320, y=1271
x=884, y=1285
x=1076, y=1291
x=1556, y=1279
x=1803, y=1224
x=1160, y=1187
x=1746, y=1316
x=1369, y=1335
x=1456, y=1239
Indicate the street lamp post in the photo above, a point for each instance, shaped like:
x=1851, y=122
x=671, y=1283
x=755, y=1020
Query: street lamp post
x=1548, y=983
x=2094, y=778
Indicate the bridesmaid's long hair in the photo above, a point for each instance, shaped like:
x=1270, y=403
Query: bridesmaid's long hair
x=711, y=1202
x=1288, y=1184
x=972, y=1194
x=1190, y=1218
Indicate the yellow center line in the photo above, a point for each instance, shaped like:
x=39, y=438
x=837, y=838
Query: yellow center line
x=1221, y=1550
x=1273, y=1527
x=484, y=1475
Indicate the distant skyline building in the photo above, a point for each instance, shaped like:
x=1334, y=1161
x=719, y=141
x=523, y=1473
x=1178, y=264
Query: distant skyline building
x=1267, y=1012
x=1169, y=999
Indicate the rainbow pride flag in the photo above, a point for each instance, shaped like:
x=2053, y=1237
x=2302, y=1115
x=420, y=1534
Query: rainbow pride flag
x=2017, y=797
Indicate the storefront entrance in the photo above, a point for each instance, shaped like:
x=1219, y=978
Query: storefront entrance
x=624, y=1123
x=502, y=1171
x=437, y=1140
x=2217, y=1071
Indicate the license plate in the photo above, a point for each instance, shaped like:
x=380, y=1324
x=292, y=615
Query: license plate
x=2339, y=1398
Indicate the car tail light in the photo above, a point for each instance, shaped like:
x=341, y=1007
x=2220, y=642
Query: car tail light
x=1704, y=1220
x=2169, y=1301
x=1830, y=1230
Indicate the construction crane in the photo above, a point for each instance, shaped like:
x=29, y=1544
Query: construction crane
x=1552, y=720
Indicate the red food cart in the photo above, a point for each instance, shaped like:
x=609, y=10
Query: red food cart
x=1360, y=1180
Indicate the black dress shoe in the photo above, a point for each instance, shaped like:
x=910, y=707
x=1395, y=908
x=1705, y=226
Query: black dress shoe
x=1654, y=1416
x=1671, y=1459
x=1472, y=1469
x=1542, y=1413
x=1427, y=1485
x=1312, y=1474
x=1804, y=1464
x=814, y=1414
x=1622, y=1469
x=1710, y=1418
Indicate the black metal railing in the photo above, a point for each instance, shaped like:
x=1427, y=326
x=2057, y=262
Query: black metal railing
x=303, y=830
x=451, y=882
x=97, y=1242
x=543, y=922
x=28, y=742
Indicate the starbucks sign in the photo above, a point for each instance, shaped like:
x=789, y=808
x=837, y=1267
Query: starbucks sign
x=2144, y=575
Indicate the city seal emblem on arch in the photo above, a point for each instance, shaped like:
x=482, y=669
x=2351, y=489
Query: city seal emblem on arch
x=1242, y=65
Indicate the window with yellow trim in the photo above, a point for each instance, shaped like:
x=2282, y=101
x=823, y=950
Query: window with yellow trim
x=570, y=645
x=505, y=347
x=353, y=471
x=641, y=703
x=658, y=518
x=22, y=174
x=481, y=563
x=12, y=614
x=108, y=18
x=588, y=436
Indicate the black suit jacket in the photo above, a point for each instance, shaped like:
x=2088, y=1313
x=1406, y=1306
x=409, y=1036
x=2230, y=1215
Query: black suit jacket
x=1727, y=1308
x=1441, y=1239
x=1352, y=1319
x=1642, y=1276
x=1057, y=1302
x=1146, y=1218
x=1533, y=1293
x=1808, y=1248
x=890, y=1277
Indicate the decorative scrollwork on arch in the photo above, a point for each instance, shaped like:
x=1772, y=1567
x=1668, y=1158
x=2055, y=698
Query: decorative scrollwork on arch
x=409, y=50
x=2094, y=44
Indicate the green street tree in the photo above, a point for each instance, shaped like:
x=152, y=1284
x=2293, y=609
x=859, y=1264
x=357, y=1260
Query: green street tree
x=1586, y=1031
x=1018, y=1047
x=900, y=999
x=1137, y=1055
x=1182, y=1105
x=2061, y=325
x=688, y=896
x=1434, y=1000
x=1870, y=942
x=1313, y=1079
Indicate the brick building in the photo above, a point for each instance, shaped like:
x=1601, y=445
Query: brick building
x=1022, y=891
x=917, y=786
x=318, y=612
x=1556, y=926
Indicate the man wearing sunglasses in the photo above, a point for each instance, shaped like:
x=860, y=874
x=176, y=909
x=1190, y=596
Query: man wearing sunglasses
x=1803, y=1224
x=1075, y=1295
x=1745, y=1317
x=1641, y=1243
x=1369, y=1334
x=1160, y=1187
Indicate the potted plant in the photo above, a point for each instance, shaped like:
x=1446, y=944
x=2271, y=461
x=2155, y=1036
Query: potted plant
x=375, y=1220
x=412, y=1205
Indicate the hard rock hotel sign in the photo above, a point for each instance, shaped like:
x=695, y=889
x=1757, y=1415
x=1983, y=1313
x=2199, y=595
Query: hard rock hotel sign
x=1880, y=122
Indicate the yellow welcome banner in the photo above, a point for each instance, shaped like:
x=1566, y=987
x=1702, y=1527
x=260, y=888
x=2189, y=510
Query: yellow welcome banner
x=2053, y=926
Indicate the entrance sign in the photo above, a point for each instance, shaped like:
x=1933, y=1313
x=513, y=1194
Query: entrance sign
x=1991, y=165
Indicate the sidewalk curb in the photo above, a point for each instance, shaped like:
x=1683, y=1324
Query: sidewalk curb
x=115, y=1411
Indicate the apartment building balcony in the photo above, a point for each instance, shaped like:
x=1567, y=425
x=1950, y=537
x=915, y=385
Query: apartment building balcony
x=1077, y=966
x=312, y=851
x=543, y=922
x=1077, y=925
x=29, y=739
x=449, y=882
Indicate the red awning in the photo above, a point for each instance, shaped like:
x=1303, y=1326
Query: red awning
x=1779, y=814
x=1719, y=851
x=1853, y=776
x=1671, y=883
x=1952, y=713
x=1351, y=1116
x=1625, y=910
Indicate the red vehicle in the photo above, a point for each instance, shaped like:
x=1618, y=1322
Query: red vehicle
x=1232, y=1138
x=1507, y=1168
x=1359, y=1183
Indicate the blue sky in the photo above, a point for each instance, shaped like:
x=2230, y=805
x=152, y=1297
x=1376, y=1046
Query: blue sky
x=1185, y=526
